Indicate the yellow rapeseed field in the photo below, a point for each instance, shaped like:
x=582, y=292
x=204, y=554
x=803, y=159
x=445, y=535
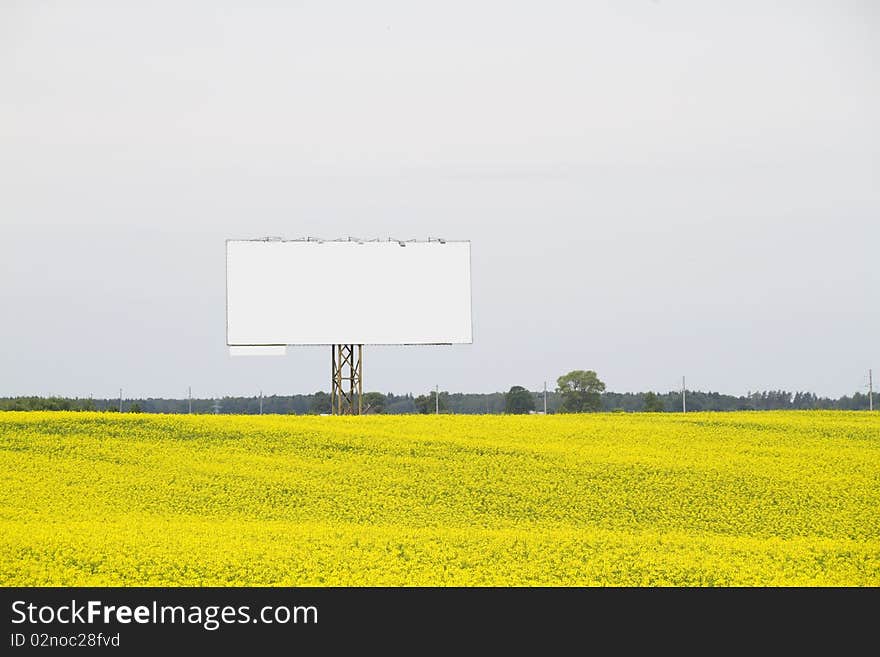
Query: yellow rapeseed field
x=771, y=498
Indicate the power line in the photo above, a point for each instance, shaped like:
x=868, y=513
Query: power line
x=683, y=397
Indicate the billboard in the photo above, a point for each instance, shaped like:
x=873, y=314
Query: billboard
x=310, y=292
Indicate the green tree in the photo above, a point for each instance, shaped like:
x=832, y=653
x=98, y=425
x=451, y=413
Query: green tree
x=653, y=403
x=373, y=402
x=320, y=403
x=427, y=403
x=581, y=391
x=518, y=400
x=134, y=408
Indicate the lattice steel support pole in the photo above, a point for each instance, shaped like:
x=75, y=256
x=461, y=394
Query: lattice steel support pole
x=360, y=374
x=346, y=386
x=333, y=383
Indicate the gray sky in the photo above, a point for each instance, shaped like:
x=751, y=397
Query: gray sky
x=651, y=188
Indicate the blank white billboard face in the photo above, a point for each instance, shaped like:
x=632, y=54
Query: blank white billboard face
x=298, y=292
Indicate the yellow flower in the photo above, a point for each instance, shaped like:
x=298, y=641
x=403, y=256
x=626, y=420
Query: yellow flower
x=771, y=498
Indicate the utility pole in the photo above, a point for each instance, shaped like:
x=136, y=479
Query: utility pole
x=120, y=400
x=870, y=390
x=190, y=398
x=261, y=402
x=545, y=398
x=437, y=400
x=684, y=407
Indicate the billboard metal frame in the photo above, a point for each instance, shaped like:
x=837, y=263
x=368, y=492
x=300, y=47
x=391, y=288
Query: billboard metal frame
x=346, y=374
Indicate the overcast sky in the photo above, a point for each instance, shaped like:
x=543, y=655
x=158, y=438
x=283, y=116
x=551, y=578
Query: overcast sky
x=652, y=189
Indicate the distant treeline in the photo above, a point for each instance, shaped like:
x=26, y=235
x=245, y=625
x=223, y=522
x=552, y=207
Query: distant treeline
x=458, y=403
